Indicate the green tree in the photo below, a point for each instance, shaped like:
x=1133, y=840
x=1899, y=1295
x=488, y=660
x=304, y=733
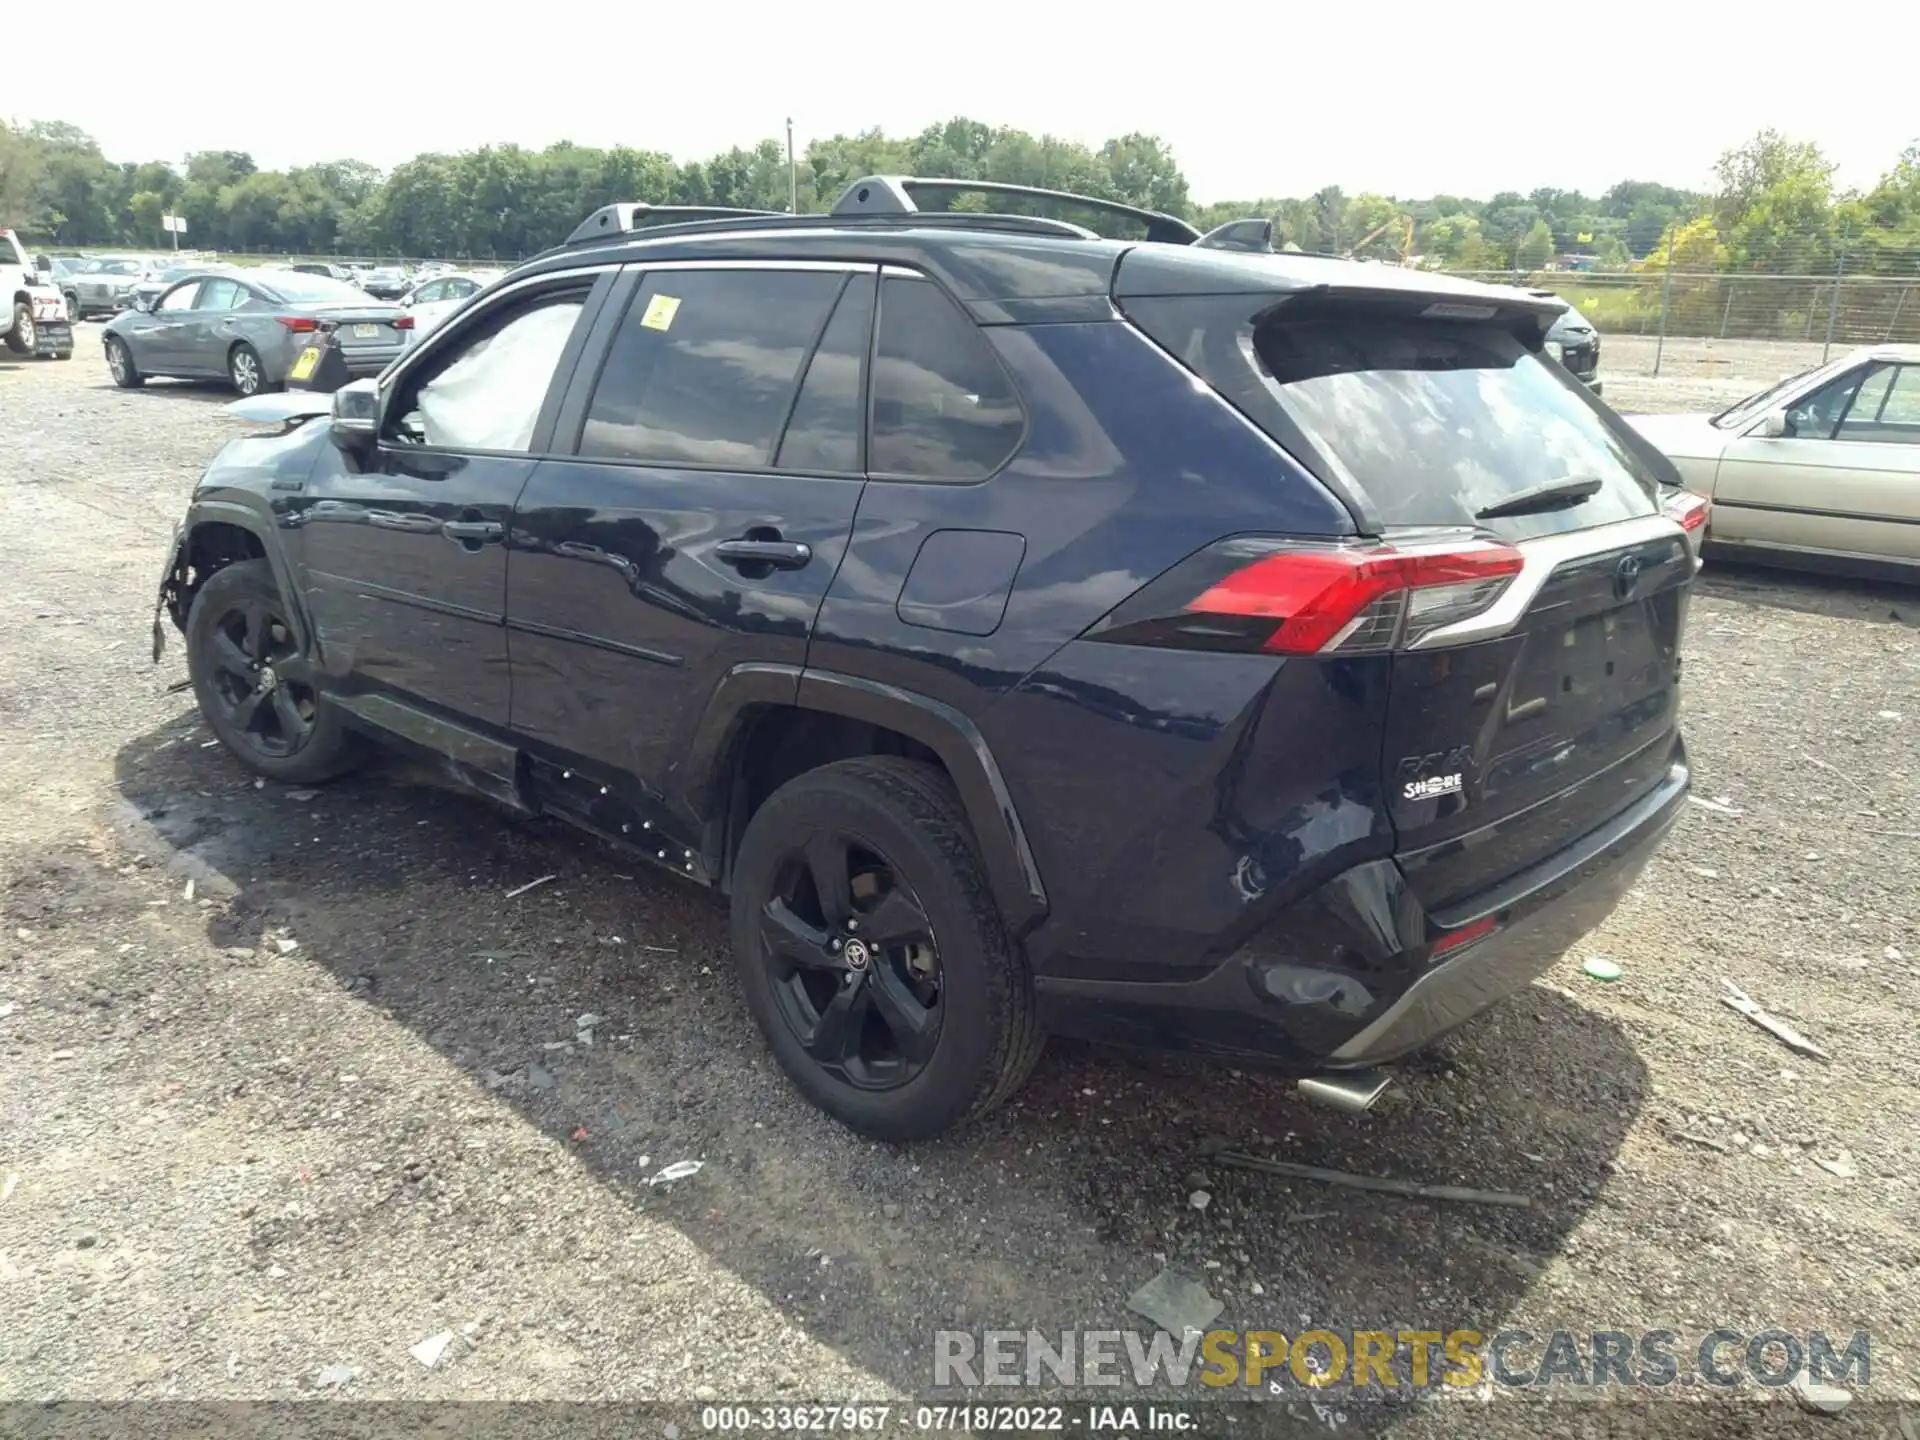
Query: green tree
x=1769, y=159
x=1535, y=248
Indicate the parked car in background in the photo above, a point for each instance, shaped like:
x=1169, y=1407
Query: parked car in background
x=431, y=300
x=1821, y=471
x=845, y=575
x=1578, y=342
x=248, y=326
x=145, y=292
x=326, y=268
x=385, y=282
x=33, y=313
x=104, y=285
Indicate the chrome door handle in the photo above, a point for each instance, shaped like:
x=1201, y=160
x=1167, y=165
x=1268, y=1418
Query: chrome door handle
x=472, y=530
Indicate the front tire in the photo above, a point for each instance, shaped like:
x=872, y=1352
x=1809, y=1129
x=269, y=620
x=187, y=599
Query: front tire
x=120, y=364
x=74, y=315
x=22, y=339
x=872, y=955
x=256, y=688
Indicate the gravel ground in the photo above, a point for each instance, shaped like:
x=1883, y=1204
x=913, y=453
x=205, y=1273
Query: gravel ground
x=289, y=1083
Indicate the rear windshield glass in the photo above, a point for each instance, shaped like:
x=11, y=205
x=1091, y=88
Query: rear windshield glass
x=314, y=289
x=1434, y=421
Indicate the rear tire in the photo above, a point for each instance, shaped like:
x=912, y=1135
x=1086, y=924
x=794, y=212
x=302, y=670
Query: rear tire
x=246, y=373
x=255, y=687
x=21, y=339
x=902, y=833
x=120, y=364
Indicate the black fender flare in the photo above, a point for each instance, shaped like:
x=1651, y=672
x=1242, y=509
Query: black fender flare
x=260, y=523
x=1012, y=871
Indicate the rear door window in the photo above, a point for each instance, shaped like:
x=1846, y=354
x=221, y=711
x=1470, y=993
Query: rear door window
x=705, y=366
x=828, y=416
x=943, y=408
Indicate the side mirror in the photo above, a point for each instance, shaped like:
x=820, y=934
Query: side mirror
x=142, y=304
x=355, y=423
x=1774, y=424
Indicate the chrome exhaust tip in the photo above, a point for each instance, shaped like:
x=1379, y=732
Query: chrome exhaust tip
x=1353, y=1091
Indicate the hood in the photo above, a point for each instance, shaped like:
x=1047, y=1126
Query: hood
x=1680, y=437
x=284, y=406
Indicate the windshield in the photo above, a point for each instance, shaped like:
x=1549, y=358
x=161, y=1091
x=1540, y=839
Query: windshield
x=313, y=289
x=112, y=267
x=1436, y=421
x=1754, y=406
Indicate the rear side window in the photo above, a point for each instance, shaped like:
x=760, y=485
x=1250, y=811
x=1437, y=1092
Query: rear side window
x=705, y=366
x=824, y=433
x=1428, y=421
x=943, y=408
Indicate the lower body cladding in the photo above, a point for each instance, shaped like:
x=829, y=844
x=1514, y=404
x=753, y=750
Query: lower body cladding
x=1358, y=973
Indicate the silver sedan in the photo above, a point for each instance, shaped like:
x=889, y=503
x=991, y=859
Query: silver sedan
x=248, y=329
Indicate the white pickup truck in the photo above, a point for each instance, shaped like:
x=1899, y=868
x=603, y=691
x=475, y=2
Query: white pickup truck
x=33, y=313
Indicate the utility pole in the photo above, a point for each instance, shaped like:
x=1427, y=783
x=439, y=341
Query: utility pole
x=1666, y=298
x=793, y=176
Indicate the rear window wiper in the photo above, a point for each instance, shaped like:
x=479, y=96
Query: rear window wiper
x=1554, y=495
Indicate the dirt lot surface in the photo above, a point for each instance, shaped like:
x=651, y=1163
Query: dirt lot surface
x=290, y=1084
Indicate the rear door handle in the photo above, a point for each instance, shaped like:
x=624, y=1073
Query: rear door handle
x=780, y=554
x=470, y=530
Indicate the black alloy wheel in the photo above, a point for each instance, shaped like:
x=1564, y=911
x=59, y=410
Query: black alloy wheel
x=872, y=955
x=852, y=962
x=259, y=679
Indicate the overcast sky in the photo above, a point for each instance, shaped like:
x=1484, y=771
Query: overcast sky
x=1255, y=99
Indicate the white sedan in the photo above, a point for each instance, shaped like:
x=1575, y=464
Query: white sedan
x=434, y=299
x=1822, y=471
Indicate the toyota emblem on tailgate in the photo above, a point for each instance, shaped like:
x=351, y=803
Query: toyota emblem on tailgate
x=1626, y=575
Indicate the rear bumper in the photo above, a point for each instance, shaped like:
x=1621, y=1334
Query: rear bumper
x=1349, y=977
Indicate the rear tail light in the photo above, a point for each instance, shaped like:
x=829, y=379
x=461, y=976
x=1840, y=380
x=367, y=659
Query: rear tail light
x=403, y=322
x=300, y=324
x=1690, y=510
x=1313, y=599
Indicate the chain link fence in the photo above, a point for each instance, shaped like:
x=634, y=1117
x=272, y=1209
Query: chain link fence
x=1719, y=334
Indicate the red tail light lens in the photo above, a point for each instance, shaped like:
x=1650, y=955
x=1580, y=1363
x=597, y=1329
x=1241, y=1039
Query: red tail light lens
x=403, y=322
x=1357, y=599
x=300, y=324
x=1307, y=599
x=1689, y=509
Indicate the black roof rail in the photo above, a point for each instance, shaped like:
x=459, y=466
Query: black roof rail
x=627, y=216
x=760, y=220
x=1255, y=235
x=894, y=195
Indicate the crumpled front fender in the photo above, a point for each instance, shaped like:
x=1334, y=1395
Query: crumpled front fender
x=172, y=597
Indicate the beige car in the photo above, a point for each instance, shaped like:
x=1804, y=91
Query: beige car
x=1822, y=471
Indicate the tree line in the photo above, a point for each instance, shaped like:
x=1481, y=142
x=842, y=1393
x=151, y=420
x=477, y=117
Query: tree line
x=1775, y=207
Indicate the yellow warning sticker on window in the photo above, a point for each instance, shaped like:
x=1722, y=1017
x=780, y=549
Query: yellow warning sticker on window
x=303, y=367
x=660, y=312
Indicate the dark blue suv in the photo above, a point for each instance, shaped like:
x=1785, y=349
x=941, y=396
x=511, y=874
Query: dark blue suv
x=1146, y=640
